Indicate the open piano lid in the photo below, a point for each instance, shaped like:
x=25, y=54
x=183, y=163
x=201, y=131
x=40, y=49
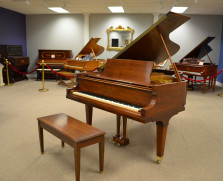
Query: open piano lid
x=200, y=50
x=92, y=44
x=149, y=46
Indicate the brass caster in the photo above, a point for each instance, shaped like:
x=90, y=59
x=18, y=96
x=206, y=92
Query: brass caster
x=118, y=144
x=101, y=172
x=159, y=159
x=42, y=153
x=62, y=146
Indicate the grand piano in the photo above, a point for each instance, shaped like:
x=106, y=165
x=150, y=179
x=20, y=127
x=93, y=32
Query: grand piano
x=86, y=59
x=129, y=86
x=53, y=58
x=192, y=64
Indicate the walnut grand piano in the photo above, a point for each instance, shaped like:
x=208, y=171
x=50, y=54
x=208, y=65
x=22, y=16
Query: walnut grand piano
x=192, y=64
x=129, y=87
x=86, y=65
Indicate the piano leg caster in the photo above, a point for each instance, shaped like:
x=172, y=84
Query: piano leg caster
x=159, y=159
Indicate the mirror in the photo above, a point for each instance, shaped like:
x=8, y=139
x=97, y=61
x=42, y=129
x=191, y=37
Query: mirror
x=119, y=38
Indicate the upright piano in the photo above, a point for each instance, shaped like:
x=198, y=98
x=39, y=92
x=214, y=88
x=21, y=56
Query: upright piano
x=14, y=54
x=129, y=86
x=53, y=58
x=192, y=64
x=86, y=59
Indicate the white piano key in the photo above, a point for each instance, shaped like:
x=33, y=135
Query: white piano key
x=112, y=102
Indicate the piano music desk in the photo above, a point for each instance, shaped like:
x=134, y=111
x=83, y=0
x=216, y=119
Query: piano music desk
x=73, y=132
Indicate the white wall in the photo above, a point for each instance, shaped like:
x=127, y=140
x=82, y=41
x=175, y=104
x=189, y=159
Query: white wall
x=63, y=32
x=193, y=32
x=67, y=32
x=99, y=23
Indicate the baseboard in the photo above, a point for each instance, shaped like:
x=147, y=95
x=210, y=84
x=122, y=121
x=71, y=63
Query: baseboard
x=219, y=84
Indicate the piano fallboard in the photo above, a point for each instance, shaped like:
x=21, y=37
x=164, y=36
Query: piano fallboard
x=123, y=91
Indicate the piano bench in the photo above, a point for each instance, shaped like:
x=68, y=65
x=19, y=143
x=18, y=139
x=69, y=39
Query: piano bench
x=61, y=82
x=73, y=132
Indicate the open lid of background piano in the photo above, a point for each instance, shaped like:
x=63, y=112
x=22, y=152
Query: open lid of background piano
x=86, y=59
x=200, y=51
x=91, y=47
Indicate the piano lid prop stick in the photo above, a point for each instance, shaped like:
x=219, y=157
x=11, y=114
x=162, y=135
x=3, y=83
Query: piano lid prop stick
x=207, y=54
x=7, y=72
x=173, y=65
x=43, y=89
x=94, y=54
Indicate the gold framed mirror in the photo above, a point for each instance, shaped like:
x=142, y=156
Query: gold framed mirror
x=119, y=38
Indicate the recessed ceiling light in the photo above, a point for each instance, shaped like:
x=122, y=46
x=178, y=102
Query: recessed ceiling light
x=116, y=9
x=58, y=9
x=178, y=9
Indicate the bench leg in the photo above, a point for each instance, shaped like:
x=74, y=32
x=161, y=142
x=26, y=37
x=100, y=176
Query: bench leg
x=101, y=153
x=41, y=138
x=77, y=157
x=62, y=144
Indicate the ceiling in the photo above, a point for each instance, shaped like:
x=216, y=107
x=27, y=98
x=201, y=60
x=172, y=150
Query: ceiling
x=204, y=7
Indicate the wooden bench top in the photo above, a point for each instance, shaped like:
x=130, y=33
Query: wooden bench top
x=74, y=129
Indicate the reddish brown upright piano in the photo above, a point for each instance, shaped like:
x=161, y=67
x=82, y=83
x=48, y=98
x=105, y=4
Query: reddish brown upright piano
x=193, y=66
x=129, y=87
x=53, y=58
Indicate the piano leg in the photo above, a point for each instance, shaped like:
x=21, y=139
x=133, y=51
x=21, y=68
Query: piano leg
x=214, y=83
x=89, y=110
x=204, y=86
x=190, y=83
x=160, y=140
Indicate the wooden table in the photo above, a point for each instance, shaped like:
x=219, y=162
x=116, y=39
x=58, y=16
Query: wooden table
x=73, y=132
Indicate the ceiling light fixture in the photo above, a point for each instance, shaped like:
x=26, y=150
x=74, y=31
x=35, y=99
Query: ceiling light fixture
x=58, y=9
x=116, y=9
x=178, y=9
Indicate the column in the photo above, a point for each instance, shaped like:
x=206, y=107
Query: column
x=86, y=28
x=155, y=17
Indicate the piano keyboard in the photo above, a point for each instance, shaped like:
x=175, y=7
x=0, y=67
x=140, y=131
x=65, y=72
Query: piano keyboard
x=73, y=66
x=110, y=101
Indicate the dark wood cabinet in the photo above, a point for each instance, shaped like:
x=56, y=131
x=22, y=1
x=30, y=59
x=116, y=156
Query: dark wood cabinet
x=14, y=55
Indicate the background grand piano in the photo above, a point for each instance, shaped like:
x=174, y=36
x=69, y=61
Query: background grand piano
x=129, y=86
x=80, y=64
x=192, y=64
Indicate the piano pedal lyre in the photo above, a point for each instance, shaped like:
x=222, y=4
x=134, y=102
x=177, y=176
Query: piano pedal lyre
x=120, y=141
x=111, y=140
